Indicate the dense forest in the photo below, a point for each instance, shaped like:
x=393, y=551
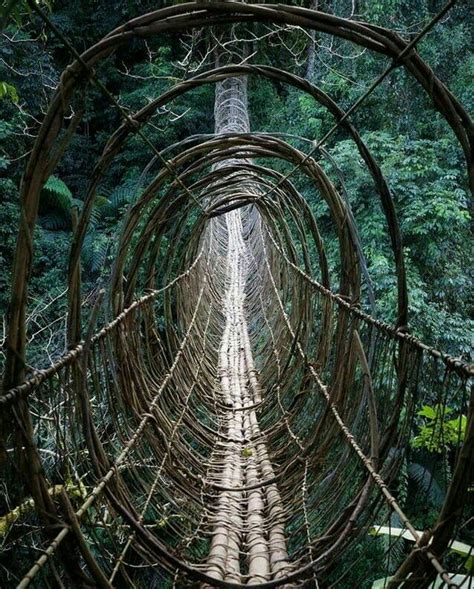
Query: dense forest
x=417, y=151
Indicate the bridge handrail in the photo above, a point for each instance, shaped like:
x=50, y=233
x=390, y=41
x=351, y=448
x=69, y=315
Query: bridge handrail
x=41, y=376
x=453, y=363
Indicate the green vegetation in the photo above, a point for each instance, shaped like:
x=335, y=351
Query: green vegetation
x=416, y=149
x=438, y=431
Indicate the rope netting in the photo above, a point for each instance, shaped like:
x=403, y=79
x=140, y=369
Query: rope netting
x=232, y=418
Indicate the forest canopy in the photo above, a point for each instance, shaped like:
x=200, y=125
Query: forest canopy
x=415, y=147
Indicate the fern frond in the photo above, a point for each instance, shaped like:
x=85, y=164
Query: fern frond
x=102, y=247
x=94, y=252
x=54, y=221
x=56, y=193
x=55, y=204
x=425, y=480
x=118, y=199
x=100, y=201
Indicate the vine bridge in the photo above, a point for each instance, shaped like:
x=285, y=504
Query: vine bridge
x=226, y=415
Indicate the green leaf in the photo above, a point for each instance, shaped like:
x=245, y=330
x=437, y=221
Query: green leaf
x=427, y=411
x=57, y=190
x=8, y=91
x=55, y=204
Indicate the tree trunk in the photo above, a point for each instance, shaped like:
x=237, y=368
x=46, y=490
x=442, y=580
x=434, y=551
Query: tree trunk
x=311, y=48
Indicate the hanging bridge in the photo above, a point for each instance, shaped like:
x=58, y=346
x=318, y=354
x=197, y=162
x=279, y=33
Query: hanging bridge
x=234, y=418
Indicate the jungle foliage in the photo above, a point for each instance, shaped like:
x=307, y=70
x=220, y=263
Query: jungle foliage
x=417, y=150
